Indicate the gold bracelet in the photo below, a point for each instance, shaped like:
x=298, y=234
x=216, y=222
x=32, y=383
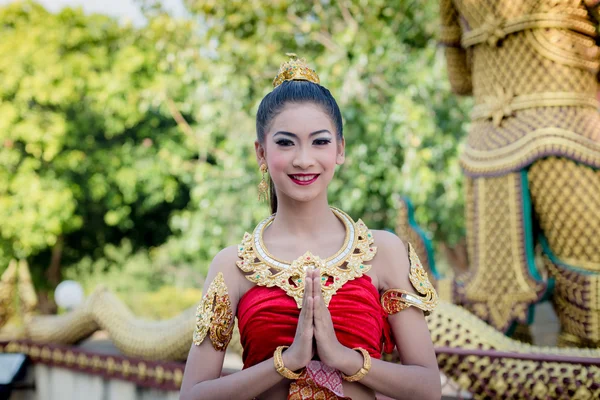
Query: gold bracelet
x=364, y=370
x=279, y=367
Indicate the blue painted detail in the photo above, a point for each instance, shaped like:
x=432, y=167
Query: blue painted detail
x=424, y=238
x=511, y=329
x=528, y=228
x=529, y=240
x=546, y=249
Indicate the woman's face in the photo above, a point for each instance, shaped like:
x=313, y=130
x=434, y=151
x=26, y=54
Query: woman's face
x=301, y=150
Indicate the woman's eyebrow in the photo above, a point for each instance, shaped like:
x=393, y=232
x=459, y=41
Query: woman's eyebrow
x=285, y=133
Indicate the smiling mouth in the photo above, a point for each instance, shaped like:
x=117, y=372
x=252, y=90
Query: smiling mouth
x=303, y=179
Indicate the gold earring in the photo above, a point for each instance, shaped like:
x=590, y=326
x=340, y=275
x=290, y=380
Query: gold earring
x=263, y=187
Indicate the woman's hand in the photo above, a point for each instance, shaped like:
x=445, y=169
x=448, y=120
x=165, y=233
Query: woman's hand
x=330, y=350
x=302, y=351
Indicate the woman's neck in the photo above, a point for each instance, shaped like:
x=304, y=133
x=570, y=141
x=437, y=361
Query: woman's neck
x=304, y=219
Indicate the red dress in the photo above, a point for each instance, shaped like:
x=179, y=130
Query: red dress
x=268, y=317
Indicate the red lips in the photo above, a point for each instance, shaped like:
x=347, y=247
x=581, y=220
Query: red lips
x=303, y=179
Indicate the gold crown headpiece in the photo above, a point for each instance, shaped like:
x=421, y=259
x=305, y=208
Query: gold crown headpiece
x=295, y=70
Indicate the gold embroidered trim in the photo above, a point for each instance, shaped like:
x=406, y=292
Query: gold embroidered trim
x=347, y=264
x=215, y=316
x=396, y=300
x=495, y=29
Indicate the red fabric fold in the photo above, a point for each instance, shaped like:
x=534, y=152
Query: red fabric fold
x=267, y=318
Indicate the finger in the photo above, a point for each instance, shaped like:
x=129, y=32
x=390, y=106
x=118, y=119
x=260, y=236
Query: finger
x=319, y=320
x=309, y=313
x=308, y=286
x=317, y=283
x=318, y=310
x=306, y=296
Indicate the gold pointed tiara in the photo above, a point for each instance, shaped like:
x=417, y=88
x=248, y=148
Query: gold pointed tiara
x=295, y=70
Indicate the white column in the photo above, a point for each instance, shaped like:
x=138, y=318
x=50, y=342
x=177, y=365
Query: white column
x=42, y=382
x=121, y=390
x=87, y=387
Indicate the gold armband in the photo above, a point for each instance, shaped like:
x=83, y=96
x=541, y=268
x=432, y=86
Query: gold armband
x=396, y=300
x=214, y=315
x=363, y=371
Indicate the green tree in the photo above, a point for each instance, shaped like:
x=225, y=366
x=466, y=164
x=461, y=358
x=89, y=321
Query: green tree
x=91, y=152
x=127, y=153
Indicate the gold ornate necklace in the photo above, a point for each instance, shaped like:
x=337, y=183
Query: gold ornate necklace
x=346, y=264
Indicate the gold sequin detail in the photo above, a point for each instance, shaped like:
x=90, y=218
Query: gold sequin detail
x=214, y=315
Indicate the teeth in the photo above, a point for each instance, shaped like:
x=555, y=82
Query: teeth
x=303, y=178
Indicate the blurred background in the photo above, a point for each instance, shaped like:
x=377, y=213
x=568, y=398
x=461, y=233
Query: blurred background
x=127, y=130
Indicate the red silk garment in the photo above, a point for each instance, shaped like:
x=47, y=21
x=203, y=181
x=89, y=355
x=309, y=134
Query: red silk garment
x=267, y=318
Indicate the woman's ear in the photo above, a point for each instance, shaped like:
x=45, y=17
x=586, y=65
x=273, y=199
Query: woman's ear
x=261, y=157
x=341, y=152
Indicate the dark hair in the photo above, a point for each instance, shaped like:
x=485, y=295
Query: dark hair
x=294, y=92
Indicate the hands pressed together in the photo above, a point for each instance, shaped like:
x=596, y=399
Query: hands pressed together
x=315, y=332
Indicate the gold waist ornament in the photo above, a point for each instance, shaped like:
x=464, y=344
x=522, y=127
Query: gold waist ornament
x=495, y=29
x=504, y=104
x=347, y=264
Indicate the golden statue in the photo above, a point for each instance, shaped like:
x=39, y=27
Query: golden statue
x=531, y=159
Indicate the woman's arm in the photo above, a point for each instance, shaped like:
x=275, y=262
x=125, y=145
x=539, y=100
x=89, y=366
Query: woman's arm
x=418, y=376
x=245, y=384
x=201, y=379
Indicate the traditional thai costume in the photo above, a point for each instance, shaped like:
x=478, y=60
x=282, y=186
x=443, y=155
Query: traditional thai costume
x=268, y=312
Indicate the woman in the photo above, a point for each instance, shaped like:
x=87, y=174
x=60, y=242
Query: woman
x=327, y=310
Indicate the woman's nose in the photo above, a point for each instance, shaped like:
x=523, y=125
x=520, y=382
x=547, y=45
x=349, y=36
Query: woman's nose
x=303, y=159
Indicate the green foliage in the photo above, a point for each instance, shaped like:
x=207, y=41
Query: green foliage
x=90, y=152
x=132, y=148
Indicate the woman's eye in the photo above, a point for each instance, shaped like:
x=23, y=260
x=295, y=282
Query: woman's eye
x=284, y=142
x=321, y=142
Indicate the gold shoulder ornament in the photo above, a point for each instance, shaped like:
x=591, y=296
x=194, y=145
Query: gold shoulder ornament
x=347, y=264
x=396, y=300
x=214, y=315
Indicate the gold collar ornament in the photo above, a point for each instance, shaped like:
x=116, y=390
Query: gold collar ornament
x=396, y=300
x=347, y=264
x=295, y=70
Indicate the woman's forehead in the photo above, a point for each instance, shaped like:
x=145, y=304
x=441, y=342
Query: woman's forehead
x=302, y=118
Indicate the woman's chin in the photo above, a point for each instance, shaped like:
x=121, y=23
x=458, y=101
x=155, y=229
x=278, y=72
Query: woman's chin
x=305, y=197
